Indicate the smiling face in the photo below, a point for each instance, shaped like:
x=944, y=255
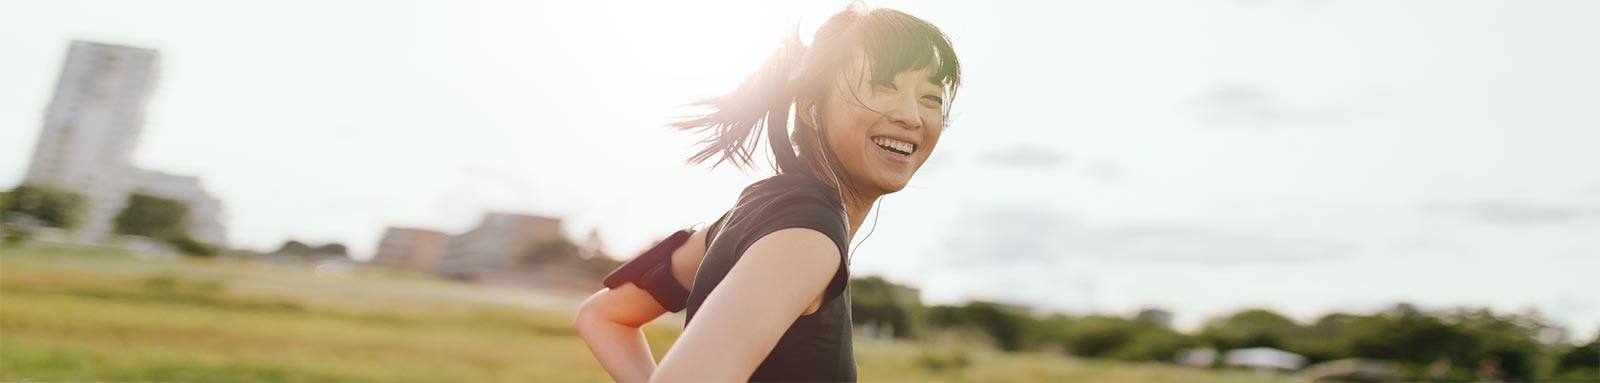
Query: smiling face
x=881, y=130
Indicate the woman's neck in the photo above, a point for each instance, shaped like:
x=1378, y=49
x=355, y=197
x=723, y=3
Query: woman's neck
x=856, y=205
x=856, y=209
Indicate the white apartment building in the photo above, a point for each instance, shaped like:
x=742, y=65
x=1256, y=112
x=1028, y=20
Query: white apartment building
x=91, y=128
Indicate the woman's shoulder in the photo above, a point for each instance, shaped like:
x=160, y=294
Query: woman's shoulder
x=765, y=210
x=794, y=187
x=788, y=201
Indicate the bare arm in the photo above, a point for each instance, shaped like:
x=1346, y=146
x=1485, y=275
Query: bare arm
x=609, y=321
x=777, y=279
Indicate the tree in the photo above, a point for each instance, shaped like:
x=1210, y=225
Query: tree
x=50, y=206
x=293, y=247
x=1580, y=363
x=192, y=247
x=554, y=250
x=877, y=300
x=1250, y=328
x=1512, y=340
x=1011, y=328
x=154, y=217
x=1097, y=336
x=1475, y=344
x=1406, y=334
x=1326, y=339
x=332, y=249
x=1140, y=338
x=161, y=218
x=1152, y=342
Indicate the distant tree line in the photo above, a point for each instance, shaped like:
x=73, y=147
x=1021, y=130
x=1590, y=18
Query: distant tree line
x=1443, y=345
x=302, y=251
x=562, y=252
x=144, y=215
x=46, y=206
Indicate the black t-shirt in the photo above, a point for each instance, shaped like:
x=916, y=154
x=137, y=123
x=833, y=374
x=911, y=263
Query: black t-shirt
x=817, y=347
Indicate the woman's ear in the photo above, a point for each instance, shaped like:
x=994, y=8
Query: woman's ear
x=809, y=116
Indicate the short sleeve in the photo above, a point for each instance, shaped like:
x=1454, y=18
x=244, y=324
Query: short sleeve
x=715, y=226
x=807, y=210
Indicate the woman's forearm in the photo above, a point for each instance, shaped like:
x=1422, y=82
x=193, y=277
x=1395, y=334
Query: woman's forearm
x=621, y=349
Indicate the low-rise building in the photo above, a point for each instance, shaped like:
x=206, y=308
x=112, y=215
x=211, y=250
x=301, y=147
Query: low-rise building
x=497, y=243
x=205, y=219
x=410, y=249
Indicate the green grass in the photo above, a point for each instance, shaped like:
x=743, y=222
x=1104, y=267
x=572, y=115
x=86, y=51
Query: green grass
x=102, y=316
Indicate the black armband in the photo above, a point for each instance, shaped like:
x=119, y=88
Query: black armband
x=652, y=272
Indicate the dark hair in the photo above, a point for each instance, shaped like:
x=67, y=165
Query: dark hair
x=796, y=76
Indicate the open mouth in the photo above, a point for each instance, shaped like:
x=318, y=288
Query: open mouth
x=895, y=146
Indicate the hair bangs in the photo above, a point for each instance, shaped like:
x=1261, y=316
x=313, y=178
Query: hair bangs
x=896, y=42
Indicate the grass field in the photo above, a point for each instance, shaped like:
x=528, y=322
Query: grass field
x=102, y=316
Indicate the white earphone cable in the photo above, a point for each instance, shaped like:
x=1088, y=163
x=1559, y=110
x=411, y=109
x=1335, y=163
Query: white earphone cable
x=875, y=212
x=816, y=130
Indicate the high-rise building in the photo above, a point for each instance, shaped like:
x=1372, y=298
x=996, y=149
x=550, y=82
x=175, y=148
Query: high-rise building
x=91, y=129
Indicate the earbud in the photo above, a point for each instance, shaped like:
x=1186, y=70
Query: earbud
x=814, y=122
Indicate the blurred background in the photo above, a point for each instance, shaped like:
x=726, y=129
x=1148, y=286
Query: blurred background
x=1229, y=190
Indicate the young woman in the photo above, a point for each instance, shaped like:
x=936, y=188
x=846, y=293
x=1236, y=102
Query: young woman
x=767, y=285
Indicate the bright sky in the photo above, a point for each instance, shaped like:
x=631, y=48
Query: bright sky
x=1199, y=156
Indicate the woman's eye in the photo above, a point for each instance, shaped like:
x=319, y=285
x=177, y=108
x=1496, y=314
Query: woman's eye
x=886, y=85
x=936, y=99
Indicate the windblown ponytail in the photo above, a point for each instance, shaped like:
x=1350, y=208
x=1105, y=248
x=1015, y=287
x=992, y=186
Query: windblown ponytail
x=735, y=120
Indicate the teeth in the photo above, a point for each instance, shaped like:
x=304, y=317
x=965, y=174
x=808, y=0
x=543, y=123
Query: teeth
x=893, y=144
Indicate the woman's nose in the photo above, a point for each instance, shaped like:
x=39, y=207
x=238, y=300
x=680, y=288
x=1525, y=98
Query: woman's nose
x=904, y=113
